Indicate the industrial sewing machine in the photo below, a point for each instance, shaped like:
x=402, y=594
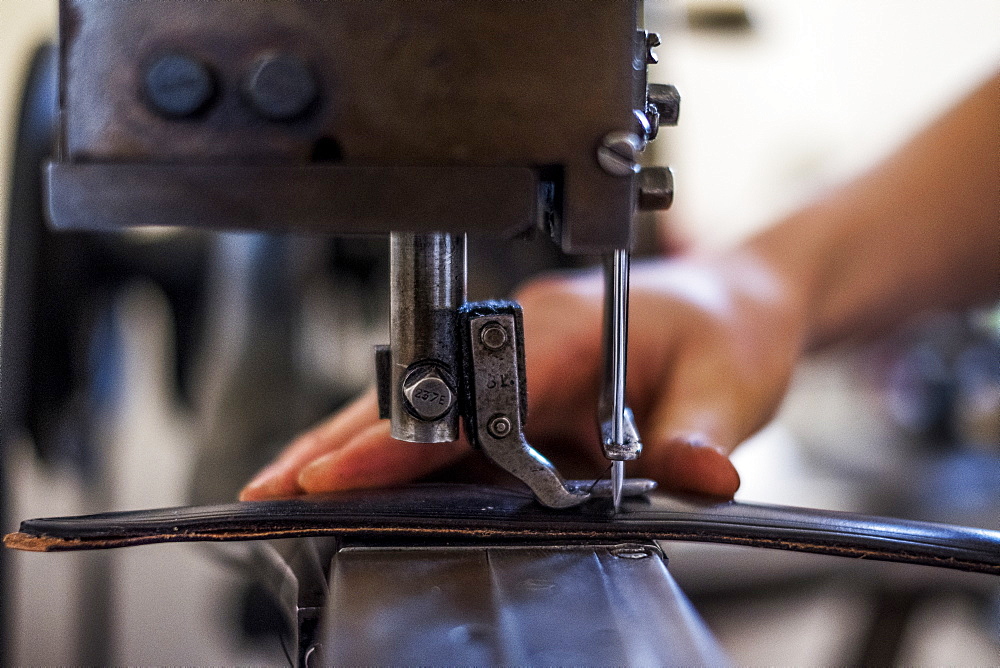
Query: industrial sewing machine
x=424, y=120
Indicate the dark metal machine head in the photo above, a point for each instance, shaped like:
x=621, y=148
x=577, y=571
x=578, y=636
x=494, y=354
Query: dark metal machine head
x=422, y=119
x=358, y=117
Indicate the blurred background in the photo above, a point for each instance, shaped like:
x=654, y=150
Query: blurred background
x=163, y=368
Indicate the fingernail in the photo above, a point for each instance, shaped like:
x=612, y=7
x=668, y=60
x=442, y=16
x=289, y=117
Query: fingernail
x=267, y=483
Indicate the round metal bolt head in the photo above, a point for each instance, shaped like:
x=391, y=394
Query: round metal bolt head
x=281, y=87
x=178, y=86
x=617, y=153
x=499, y=426
x=428, y=394
x=493, y=336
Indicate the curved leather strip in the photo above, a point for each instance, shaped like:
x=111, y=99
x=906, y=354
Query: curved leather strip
x=467, y=512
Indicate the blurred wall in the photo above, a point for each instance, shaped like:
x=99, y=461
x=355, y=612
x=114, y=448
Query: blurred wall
x=814, y=93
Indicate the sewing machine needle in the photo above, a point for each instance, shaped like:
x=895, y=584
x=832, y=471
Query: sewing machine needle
x=617, y=286
x=617, y=482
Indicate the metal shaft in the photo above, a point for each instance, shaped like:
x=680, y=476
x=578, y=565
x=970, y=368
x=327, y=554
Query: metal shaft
x=616, y=276
x=427, y=285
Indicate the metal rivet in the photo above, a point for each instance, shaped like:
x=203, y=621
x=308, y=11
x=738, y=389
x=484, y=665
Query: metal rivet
x=428, y=395
x=493, y=336
x=499, y=426
x=464, y=634
x=178, y=86
x=617, y=153
x=281, y=87
x=631, y=551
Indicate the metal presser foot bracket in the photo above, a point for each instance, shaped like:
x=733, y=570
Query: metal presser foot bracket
x=494, y=394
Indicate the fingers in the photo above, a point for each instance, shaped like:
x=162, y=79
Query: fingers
x=562, y=340
x=691, y=432
x=351, y=450
x=280, y=478
x=374, y=459
x=690, y=464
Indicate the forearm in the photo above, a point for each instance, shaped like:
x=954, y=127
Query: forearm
x=920, y=231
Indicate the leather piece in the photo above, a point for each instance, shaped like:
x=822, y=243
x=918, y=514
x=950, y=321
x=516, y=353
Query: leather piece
x=477, y=513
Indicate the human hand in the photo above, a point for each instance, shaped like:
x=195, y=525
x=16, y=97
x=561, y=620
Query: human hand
x=711, y=350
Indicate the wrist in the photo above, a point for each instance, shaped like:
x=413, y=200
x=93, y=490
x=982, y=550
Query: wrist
x=790, y=257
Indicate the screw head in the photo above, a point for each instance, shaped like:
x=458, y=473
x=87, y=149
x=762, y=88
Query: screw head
x=178, y=86
x=493, y=336
x=617, y=153
x=499, y=426
x=428, y=394
x=281, y=87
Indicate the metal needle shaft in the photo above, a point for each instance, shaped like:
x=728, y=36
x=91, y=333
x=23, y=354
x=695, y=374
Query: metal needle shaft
x=616, y=294
x=617, y=482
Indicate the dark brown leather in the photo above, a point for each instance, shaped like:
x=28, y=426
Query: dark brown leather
x=476, y=513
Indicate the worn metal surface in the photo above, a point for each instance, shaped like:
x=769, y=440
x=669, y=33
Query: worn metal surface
x=295, y=572
x=466, y=83
x=427, y=286
x=496, y=409
x=318, y=198
x=513, y=606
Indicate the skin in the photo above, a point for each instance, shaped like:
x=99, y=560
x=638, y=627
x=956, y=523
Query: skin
x=713, y=340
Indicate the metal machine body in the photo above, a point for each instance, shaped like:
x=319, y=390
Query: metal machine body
x=483, y=604
x=399, y=115
x=425, y=120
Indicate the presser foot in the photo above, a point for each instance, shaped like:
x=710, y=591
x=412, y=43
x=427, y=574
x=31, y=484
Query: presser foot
x=495, y=402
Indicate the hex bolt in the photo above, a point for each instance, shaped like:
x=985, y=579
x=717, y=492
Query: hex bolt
x=178, y=86
x=281, y=87
x=493, y=336
x=428, y=393
x=656, y=188
x=667, y=101
x=499, y=426
x=617, y=153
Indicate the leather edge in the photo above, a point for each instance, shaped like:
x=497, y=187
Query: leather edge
x=42, y=543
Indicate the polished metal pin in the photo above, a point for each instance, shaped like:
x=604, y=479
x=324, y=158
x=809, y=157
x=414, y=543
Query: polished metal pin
x=617, y=482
